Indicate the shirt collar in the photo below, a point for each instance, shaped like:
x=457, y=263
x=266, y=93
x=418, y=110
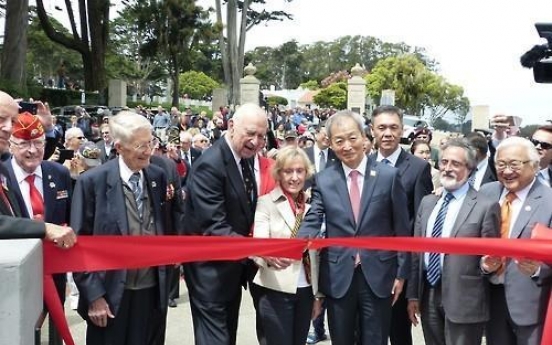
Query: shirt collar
x=392, y=158
x=125, y=171
x=458, y=193
x=21, y=175
x=361, y=168
x=521, y=194
x=236, y=157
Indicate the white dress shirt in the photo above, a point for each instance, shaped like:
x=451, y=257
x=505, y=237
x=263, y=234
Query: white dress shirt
x=20, y=176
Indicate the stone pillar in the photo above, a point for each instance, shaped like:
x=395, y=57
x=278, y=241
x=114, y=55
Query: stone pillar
x=480, y=117
x=387, y=97
x=356, y=91
x=220, y=99
x=20, y=290
x=249, y=86
x=117, y=93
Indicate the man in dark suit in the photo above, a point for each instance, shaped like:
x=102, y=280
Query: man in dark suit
x=415, y=173
x=519, y=289
x=187, y=152
x=542, y=139
x=359, y=198
x=123, y=197
x=449, y=291
x=11, y=226
x=43, y=188
x=221, y=199
x=484, y=171
x=106, y=144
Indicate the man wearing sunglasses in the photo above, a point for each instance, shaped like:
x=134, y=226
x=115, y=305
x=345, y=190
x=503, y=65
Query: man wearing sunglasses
x=542, y=139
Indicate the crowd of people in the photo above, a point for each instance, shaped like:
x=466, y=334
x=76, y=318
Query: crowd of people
x=287, y=174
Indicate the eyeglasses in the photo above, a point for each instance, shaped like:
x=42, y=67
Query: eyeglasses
x=144, y=147
x=26, y=145
x=80, y=138
x=544, y=145
x=514, y=165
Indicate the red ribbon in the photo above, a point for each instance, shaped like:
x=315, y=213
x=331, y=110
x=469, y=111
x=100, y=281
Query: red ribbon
x=96, y=253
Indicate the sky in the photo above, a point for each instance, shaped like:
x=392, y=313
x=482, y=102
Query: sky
x=477, y=43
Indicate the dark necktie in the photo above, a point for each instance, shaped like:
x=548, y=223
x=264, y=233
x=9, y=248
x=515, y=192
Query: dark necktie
x=434, y=265
x=386, y=161
x=187, y=158
x=322, y=161
x=37, y=202
x=136, y=188
x=249, y=182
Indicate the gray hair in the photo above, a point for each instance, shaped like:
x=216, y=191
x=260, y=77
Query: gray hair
x=471, y=160
x=123, y=125
x=72, y=133
x=531, y=150
x=337, y=119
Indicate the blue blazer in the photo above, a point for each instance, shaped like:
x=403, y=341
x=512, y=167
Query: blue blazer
x=99, y=208
x=56, y=185
x=382, y=213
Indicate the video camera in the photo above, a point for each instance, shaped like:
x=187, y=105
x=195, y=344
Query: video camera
x=536, y=58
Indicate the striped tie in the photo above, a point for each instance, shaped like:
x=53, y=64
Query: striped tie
x=136, y=187
x=434, y=266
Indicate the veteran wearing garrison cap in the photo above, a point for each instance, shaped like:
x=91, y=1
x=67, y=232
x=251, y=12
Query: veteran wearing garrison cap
x=42, y=188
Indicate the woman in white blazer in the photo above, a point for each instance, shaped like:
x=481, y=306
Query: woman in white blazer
x=287, y=288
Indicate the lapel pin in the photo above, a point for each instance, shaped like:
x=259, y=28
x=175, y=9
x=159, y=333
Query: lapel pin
x=372, y=173
x=49, y=177
x=527, y=208
x=153, y=184
x=52, y=184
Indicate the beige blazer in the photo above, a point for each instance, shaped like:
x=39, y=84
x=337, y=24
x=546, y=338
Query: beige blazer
x=274, y=218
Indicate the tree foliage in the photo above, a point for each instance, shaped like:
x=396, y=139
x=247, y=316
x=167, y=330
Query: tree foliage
x=333, y=96
x=232, y=46
x=276, y=100
x=418, y=90
x=90, y=40
x=197, y=84
x=172, y=30
x=310, y=85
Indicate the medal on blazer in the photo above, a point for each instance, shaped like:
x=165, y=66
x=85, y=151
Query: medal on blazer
x=170, y=192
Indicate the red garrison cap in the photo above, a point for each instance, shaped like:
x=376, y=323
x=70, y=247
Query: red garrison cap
x=27, y=127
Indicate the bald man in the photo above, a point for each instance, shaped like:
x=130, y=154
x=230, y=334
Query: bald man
x=221, y=201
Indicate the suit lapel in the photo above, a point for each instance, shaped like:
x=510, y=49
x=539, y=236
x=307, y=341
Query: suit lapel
x=340, y=188
x=48, y=188
x=116, y=197
x=529, y=207
x=403, y=162
x=367, y=190
x=235, y=177
x=15, y=197
x=425, y=216
x=153, y=185
x=283, y=207
x=468, y=204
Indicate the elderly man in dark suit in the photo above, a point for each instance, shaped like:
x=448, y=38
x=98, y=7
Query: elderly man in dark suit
x=415, y=173
x=519, y=292
x=123, y=197
x=43, y=188
x=11, y=226
x=221, y=200
x=450, y=291
x=358, y=198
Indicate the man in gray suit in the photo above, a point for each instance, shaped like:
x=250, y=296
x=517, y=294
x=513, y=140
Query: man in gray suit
x=449, y=291
x=518, y=295
x=358, y=198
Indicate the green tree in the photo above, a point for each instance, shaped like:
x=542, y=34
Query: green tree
x=441, y=124
x=418, y=90
x=276, y=100
x=334, y=96
x=90, y=40
x=232, y=46
x=44, y=55
x=310, y=85
x=173, y=30
x=197, y=84
x=15, y=43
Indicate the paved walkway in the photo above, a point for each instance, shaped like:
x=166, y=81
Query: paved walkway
x=179, y=324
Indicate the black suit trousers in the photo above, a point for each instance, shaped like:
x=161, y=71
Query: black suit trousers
x=359, y=309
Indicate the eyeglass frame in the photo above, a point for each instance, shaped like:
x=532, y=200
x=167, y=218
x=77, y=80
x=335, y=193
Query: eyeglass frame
x=143, y=148
x=27, y=144
x=509, y=165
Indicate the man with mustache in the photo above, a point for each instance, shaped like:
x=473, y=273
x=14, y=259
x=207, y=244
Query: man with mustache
x=449, y=292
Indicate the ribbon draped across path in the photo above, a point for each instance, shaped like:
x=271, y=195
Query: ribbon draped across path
x=98, y=253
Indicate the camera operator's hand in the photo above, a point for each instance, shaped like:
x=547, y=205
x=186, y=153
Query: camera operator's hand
x=172, y=151
x=44, y=115
x=501, y=125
